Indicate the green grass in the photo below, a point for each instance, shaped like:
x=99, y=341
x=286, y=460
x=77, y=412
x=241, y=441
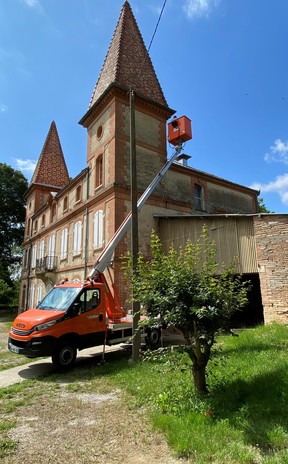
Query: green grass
x=244, y=419
x=8, y=359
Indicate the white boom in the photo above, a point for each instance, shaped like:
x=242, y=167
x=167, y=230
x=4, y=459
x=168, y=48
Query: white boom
x=106, y=256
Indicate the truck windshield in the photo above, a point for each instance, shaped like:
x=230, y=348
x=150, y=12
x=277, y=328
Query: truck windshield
x=59, y=299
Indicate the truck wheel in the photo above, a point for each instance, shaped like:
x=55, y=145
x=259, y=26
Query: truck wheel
x=64, y=357
x=153, y=338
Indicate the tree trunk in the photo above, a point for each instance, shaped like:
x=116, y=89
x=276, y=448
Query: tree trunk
x=199, y=378
x=199, y=354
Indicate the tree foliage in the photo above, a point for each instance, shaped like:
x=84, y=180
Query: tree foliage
x=12, y=218
x=190, y=291
x=262, y=206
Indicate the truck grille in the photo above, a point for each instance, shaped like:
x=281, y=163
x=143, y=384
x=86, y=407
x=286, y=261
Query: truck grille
x=20, y=332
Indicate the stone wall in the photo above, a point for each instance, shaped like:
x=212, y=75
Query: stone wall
x=271, y=236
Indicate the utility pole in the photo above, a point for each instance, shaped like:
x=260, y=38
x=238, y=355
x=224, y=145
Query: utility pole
x=136, y=345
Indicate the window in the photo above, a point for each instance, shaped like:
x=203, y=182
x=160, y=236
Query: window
x=53, y=212
x=198, y=197
x=78, y=193
x=99, y=172
x=39, y=292
x=89, y=299
x=77, y=239
x=34, y=254
x=28, y=227
x=35, y=226
x=41, y=249
x=98, y=229
x=43, y=221
x=31, y=296
x=99, y=132
x=64, y=244
x=65, y=204
x=51, y=253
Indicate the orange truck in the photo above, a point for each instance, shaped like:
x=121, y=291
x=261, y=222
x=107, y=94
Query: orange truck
x=78, y=315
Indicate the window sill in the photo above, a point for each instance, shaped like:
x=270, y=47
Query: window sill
x=77, y=254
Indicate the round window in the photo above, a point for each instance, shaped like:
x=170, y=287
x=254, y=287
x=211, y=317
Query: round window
x=99, y=132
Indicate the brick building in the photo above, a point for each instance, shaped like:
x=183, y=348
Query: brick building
x=69, y=221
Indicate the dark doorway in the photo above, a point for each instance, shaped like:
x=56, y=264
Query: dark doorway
x=252, y=314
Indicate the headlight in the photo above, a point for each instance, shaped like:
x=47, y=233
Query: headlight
x=45, y=325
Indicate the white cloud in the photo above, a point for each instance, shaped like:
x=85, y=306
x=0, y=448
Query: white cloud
x=3, y=108
x=199, y=8
x=26, y=165
x=278, y=185
x=33, y=4
x=278, y=152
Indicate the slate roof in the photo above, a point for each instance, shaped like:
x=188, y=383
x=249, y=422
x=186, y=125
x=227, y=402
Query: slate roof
x=51, y=167
x=128, y=63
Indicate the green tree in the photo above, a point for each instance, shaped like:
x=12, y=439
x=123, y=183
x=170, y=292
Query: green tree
x=12, y=220
x=262, y=207
x=190, y=291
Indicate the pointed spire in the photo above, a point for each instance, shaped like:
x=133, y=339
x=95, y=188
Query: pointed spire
x=128, y=63
x=51, y=167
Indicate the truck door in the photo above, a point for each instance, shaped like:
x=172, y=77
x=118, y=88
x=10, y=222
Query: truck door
x=90, y=323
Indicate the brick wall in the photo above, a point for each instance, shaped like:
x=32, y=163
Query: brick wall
x=271, y=236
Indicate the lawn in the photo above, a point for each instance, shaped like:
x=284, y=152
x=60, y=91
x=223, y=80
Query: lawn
x=243, y=420
x=245, y=417
x=8, y=359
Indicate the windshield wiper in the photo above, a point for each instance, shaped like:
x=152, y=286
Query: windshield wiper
x=47, y=307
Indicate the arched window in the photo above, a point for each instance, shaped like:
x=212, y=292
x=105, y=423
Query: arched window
x=78, y=193
x=99, y=171
x=43, y=221
x=77, y=239
x=98, y=229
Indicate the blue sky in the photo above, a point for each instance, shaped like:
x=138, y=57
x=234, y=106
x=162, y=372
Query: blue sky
x=223, y=63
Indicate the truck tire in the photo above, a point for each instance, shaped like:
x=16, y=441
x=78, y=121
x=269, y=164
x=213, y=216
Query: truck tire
x=65, y=355
x=153, y=338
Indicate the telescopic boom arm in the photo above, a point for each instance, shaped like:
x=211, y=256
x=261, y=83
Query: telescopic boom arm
x=106, y=256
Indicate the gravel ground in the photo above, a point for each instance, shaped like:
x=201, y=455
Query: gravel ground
x=63, y=426
x=85, y=428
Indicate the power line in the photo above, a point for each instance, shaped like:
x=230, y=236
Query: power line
x=156, y=27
